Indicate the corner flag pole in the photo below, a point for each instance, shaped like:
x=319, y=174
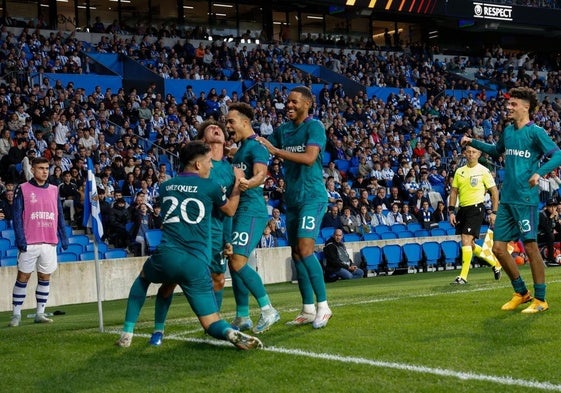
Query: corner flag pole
x=92, y=219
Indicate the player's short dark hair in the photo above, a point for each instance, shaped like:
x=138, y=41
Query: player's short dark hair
x=306, y=92
x=526, y=94
x=191, y=151
x=243, y=108
x=210, y=122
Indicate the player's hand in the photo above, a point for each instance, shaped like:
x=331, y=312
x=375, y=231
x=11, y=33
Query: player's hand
x=452, y=219
x=492, y=218
x=466, y=140
x=265, y=142
x=244, y=184
x=533, y=181
x=228, y=249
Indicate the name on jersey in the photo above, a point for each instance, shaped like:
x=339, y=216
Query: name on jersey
x=181, y=188
x=296, y=149
x=518, y=153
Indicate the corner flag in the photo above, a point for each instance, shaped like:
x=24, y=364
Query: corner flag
x=92, y=212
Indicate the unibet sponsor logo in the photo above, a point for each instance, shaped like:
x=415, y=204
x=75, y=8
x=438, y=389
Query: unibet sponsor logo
x=296, y=149
x=492, y=11
x=518, y=153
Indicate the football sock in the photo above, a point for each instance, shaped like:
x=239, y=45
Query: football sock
x=467, y=255
x=137, y=297
x=304, y=284
x=42, y=295
x=491, y=259
x=539, y=291
x=519, y=286
x=219, y=295
x=309, y=308
x=315, y=272
x=161, y=311
x=254, y=284
x=241, y=295
x=18, y=296
x=219, y=329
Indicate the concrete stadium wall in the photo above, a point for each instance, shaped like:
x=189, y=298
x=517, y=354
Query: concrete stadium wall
x=75, y=282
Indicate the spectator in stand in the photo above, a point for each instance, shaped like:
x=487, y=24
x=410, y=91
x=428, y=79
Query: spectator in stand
x=440, y=213
x=268, y=240
x=118, y=220
x=425, y=216
x=394, y=216
x=406, y=215
x=349, y=222
x=338, y=261
x=378, y=217
x=331, y=218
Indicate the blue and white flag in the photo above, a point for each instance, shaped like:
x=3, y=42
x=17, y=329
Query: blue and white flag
x=92, y=212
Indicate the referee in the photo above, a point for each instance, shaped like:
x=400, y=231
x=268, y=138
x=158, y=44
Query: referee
x=470, y=183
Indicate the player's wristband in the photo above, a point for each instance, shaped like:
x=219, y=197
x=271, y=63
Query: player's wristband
x=452, y=210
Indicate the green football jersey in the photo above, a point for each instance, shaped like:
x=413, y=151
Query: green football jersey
x=251, y=152
x=222, y=173
x=303, y=182
x=523, y=149
x=187, y=204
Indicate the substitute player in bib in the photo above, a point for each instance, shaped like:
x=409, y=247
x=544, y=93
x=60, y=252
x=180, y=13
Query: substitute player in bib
x=222, y=172
x=184, y=253
x=250, y=220
x=469, y=185
x=38, y=226
x=524, y=145
x=300, y=143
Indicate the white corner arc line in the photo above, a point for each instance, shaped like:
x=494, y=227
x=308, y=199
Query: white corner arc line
x=465, y=376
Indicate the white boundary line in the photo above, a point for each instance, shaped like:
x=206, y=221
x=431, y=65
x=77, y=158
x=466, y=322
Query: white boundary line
x=467, y=376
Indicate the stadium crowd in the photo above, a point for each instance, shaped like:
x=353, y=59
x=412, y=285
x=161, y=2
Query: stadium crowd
x=394, y=156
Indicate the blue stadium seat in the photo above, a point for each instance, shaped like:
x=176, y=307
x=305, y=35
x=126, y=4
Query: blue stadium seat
x=76, y=248
x=153, y=238
x=67, y=257
x=379, y=229
x=405, y=234
x=445, y=225
x=413, y=254
x=101, y=247
x=10, y=235
x=12, y=252
x=370, y=236
x=388, y=235
x=372, y=257
x=437, y=232
x=392, y=256
x=432, y=253
x=325, y=158
x=282, y=242
x=326, y=232
x=451, y=231
x=352, y=237
x=414, y=226
x=116, y=253
x=5, y=244
x=398, y=227
x=342, y=165
x=83, y=240
x=422, y=233
x=451, y=251
x=8, y=261
x=87, y=256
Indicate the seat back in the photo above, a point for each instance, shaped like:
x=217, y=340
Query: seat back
x=413, y=254
x=392, y=255
x=153, y=238
x=370, y=236
x=116, y=253
x=451, y=251
x=67, y=257
x=327, y=232
x=432, y=252
x=372, y=257
x=352, y=237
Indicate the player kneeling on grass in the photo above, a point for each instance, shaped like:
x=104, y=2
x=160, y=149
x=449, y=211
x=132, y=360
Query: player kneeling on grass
x=184, y=253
